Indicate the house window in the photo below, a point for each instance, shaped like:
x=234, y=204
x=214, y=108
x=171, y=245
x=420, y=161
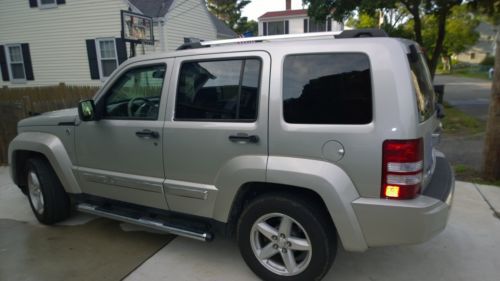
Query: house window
x=16, y=63
x=472, y=56
x=44, y=4
x=316, y=26
x=275, y=28
x=106, y=56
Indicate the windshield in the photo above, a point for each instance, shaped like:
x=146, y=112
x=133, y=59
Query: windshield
x=422, y=84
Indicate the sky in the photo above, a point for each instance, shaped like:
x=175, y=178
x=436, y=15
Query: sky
x=257, y=8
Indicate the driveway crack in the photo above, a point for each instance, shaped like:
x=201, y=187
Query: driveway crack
x=495, y=212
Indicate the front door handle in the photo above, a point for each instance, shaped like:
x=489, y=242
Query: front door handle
x=147, y=134
x=242, y=137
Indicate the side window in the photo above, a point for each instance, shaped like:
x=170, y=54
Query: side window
x=225, y=90
x=136, y=94
x=327, y=89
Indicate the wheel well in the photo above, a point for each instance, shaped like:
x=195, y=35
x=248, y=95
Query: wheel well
x=250, y=191
x=19, y=162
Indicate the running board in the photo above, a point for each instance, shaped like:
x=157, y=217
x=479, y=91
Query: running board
x=144, y=221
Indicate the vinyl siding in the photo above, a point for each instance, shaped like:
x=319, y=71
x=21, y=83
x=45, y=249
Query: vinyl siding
x=188, y=18
x=296, y=24
x=57, y=36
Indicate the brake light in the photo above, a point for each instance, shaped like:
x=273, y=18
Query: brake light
x=402, y=164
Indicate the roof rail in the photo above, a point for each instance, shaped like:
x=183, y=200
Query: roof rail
x=194, y=43
x=357, y=33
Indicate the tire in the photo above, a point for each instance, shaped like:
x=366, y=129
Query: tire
x=46, y=195
x=312, y=232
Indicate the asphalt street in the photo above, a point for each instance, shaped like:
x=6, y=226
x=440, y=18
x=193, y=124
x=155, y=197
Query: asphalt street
x=470, y=95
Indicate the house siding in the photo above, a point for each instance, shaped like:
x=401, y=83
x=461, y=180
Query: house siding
x=188, y=18
x=296, y=24
x=56, y=36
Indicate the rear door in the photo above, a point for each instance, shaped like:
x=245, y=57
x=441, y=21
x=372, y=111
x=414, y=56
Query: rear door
x=215, y=135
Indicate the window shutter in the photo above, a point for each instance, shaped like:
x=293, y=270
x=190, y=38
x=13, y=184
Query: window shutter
x=264, y=24
x=287, y=27
x=92, y=55
x=305, y=26
x=3, y=64
x=121, y=50
x=329, y=24
x=28, y=66
x=60, y=2
x=33, y=3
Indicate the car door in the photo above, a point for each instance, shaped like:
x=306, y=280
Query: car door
x=215, y=135
x=120, y=156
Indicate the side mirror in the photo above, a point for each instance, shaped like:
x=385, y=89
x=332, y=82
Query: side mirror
x=86, y=110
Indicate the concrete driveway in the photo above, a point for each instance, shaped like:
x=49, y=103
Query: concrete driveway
x=88, y=248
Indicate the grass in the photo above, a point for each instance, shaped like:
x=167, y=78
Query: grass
x=457, y=122
x=470, y=74
x=467, y=173
x=471, y=71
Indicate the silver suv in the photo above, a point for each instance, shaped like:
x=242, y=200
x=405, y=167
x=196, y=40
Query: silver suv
x=290, y=145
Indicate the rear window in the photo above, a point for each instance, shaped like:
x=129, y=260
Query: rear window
x=330, y=88
x=422, y=84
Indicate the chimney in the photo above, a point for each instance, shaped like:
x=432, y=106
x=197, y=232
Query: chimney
x=288, y=5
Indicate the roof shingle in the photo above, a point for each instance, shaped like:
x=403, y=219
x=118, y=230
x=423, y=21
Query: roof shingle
x=285, y=13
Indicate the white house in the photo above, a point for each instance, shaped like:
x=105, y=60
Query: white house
x=484, y=47
x=290, y=21
x=78, y=42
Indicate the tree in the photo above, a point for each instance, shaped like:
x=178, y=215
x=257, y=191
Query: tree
x=341, y=9
x=244, y=25
x=228, y=11
x=460, y=26
x=491, y=165
x=460, y=31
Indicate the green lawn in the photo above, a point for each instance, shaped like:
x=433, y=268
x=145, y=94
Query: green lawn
x=458, y=123
x=474, y=71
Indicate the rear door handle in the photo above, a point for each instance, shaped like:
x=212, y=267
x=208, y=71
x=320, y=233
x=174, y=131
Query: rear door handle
x=242, y=137
x=147, y=134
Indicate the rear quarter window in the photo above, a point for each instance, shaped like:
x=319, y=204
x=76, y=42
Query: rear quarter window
x=422, y=84
x=333, y=88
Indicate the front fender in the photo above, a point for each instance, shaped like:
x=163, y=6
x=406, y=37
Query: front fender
x=332, y=184
x=53, y=149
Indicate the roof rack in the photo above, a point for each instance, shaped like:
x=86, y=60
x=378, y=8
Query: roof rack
x=194, y=43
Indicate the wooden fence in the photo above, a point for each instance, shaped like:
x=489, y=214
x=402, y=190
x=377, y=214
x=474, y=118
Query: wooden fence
x=19, y=103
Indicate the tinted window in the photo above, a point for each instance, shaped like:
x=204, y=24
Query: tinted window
x=218, y=90
x=422, y=84
x=327, y=89
x=136, y=94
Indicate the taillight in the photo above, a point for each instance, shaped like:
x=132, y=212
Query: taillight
x=402, y=164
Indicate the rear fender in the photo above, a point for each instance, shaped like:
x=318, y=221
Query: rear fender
x=332, y=184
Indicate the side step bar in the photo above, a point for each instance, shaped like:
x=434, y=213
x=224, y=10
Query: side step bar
x=144, y=221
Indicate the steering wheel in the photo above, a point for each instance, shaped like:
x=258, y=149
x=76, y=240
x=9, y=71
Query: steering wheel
x=131, y=104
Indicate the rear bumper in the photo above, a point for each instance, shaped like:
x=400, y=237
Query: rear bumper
x=392, y=222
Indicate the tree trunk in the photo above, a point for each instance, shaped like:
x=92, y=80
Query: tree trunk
x=438, y=49
x=414, y=8
x=491, y=165
x=417, y=28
